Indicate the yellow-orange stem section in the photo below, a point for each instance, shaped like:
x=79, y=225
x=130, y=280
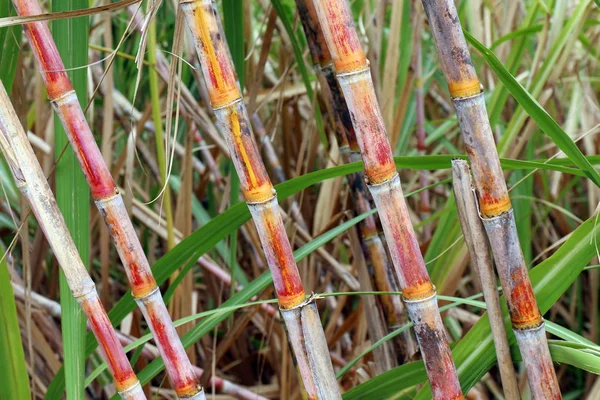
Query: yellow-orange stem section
x=464, y=88
x=345, y=47
x=278, y=253
x=525, y=313
x=220, y=76
x=254, y=180
x=231, y=113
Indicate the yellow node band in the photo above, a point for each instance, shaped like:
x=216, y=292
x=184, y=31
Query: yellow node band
x=489, y=210
x=465, y=88
x=418, y=292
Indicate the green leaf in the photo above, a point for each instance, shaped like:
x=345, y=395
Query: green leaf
x=72, y=191
x=233, y=19
x=515, y=34
x=578, y=356
x=537, y=112
x=10, y=39
x=14, y=381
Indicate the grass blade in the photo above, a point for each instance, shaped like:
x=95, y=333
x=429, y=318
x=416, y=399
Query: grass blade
x=233, y=18
x=537, y=112
x=14, y=381
x=72, y=193
x=9, y=48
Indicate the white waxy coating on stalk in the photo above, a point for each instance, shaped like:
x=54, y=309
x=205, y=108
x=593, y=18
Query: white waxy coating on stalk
x=44, y=206
x=133, y=393
x=533, y=346
x=305, y=331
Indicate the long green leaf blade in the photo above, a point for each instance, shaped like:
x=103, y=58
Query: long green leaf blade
x=537, y=112
x=14, y=381
x=72, y=192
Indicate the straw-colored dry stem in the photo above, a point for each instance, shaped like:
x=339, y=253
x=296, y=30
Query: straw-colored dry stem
x=30, y=179
x=494, y=202
x=477, y=245
x=110, y=204
x=375, y=254
x=227, y=103
x=385, y=356
x=384, y=183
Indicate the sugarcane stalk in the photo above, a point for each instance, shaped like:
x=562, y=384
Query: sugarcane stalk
x=476, y=241
x=494, y=203
x=30, y=179
x=110, y=204
x=354, y=77
x=300, y=315
x=373, y=247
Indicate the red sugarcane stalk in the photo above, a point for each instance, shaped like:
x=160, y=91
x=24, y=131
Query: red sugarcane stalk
x=353, y=74
x=110, y=204
x=300, y=315
x=375, y=253
x=494, y=203
x=30, y=179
